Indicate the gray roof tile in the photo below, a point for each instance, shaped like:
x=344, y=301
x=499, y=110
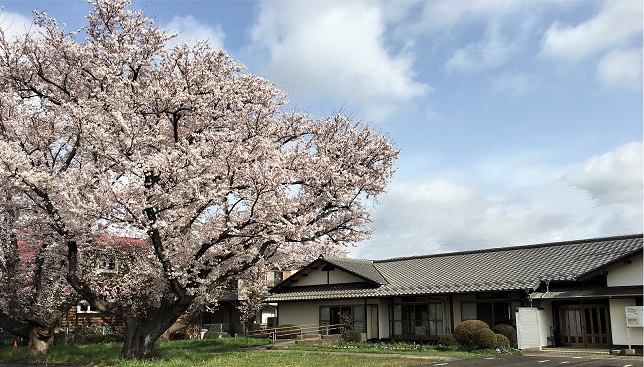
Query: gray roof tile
x=500, y=269
x=360, y=267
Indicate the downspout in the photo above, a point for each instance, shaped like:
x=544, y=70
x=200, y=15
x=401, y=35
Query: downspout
x=547, y=288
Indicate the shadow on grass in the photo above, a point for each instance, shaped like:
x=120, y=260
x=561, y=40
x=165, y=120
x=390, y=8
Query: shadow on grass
x=109, y=354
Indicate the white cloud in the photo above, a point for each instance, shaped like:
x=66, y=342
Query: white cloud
x=618, y=22
x=516, y=83
x=622, y=69
x=191, y=29
x=612, y=178
x=335, y=51
x=493, y=51
x=14, y=24
x=536, y=203
x=443, y=15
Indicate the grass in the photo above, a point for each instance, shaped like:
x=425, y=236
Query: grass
x=405, y=348
x=212, y=352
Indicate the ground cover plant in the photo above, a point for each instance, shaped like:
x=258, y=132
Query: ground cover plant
x=230, y=352
x=406, y=348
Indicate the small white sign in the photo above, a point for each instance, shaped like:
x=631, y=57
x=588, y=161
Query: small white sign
x=634, y=316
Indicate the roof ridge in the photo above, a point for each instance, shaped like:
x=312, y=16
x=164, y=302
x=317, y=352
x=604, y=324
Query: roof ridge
x=356, y=259
x=511, y=248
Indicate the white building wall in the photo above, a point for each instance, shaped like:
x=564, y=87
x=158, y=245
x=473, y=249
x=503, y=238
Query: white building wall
x=618, y=323
x=546, y=323
x=627, y=274
x=298, y=313
x=318, y=277
x=308, y=313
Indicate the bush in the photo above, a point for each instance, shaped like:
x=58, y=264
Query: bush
x=484, y=339
x=179, y=335
x=288, y=331
x=509, y=332
x=211, y=334
x=352, y=336
x=464, y=332
x=62, y=338
x=98, y=338
x=447, y=340
x=502, y=342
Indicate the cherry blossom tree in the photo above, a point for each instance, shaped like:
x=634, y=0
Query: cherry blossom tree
x=109, y=130
x=33, y=291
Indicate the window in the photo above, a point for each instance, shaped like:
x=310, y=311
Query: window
x=274, y=278
x=108, y=265
x=493, y=313
x=84, y=307
x=417, y=316
x=330, y=315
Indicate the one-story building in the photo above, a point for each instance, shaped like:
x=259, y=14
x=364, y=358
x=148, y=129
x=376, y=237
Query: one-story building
x=584, y=293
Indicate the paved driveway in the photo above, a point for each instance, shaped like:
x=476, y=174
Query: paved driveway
x=544, y=361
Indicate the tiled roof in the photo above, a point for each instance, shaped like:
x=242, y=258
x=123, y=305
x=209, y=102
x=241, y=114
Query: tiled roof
x=500, y=269
x=360, y=267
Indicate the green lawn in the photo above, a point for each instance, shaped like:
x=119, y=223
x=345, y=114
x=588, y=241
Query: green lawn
x=213, y=352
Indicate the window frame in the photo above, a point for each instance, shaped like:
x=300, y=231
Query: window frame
x=428, y=317
x=83, y=307
x=359, y=325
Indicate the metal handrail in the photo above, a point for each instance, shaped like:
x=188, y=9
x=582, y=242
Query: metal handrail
x=275, y=332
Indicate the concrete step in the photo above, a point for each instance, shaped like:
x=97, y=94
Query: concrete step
x=308, y=337
x=564, y=350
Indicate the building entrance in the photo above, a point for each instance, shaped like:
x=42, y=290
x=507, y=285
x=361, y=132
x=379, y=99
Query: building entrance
x=586, y=326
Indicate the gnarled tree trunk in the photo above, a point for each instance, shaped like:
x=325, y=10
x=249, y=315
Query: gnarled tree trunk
x=142, y=332
x=41, y=340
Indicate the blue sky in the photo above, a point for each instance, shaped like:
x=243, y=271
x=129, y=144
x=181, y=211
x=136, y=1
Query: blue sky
x=518, y=122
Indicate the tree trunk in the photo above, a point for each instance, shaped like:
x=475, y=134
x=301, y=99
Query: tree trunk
x=141, y=333
x=188, y=317
x=41, y=340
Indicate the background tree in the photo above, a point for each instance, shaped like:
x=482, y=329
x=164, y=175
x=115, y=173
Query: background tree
x=33, y=291
x=106, y=130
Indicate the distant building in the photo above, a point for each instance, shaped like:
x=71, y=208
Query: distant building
x=574, y=293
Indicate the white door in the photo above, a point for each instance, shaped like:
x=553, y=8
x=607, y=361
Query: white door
x=372, y=329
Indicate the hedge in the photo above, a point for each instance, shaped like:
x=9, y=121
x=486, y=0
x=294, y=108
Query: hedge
x=352, y=336
x=464, y=332
x=502, y=342
x=509, y=332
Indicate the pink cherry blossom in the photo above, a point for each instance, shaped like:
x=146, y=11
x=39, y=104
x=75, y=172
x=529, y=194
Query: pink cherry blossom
x=109, y=131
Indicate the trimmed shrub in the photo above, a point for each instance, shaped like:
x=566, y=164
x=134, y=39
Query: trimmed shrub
x=484, y=339
x=464, y=332
x=352, y=336
x=509, y=332
x=288, y=331
x=447, y=340
x=502, y=342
